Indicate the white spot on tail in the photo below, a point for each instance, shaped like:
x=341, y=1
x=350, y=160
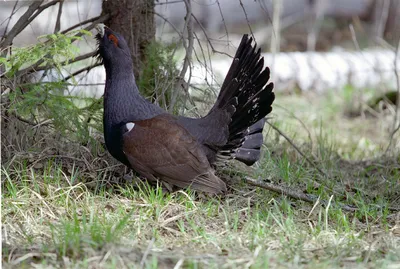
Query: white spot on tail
x=130, y=126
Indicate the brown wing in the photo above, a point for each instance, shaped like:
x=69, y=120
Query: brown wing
x=160, y=147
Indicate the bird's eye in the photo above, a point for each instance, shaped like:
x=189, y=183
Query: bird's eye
x=114, y=39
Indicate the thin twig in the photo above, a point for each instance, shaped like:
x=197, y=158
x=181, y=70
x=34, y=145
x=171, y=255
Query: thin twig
x=181, y=83
x=297, y=149
x=247, y=19
x=56, y=30
x=24, y=120
x=36, y=66
x=171, y=24
x=280, y=189
x=299, y=120
x=20, y=24
x=208, y=68
x=354, y=37
x=32, y=68
x=58, y=21
x=168, y=2
x=396, y=126
x=318, y=18
x=85, y=69
x=223, y=22
x=292, y=193
x=37, y=13
x=276, y=38
x=209, y=39
x=189, y=50
x=146, y=253
x=99, y=19
x=284, y=23
x=383, y=17
x=13, y=11
x=33, y=124
x=66, y=84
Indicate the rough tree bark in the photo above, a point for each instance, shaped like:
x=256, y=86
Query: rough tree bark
x=134, y=19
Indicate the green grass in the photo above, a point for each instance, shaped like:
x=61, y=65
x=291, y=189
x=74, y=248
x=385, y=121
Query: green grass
x=75, y=209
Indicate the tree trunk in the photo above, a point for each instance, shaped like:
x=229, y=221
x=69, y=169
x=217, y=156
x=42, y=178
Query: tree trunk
x=393, y=24
x=134, y=19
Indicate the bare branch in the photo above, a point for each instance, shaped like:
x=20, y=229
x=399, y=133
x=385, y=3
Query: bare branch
x=209, y=39
x=354, y=37
x=24, y=120
x=247, y=19
x=189, y=47
x=204, y=56
x=297, y=148
x=293, y=115
x=181, y=83
x=56, y=30
x=9, y=19
x=98, y=19
x=223, y=21
x=10, y=37
x=67, y=84
x=167, y=21
x=292, y=193
x=35, y=67
x=280, y=189
x=276, y=17
x=396, y=125
x=28, y=18
x=168, y=2
x=318, y=15
x=85, y=69
x=383, y=9
x=58, y=21
x=20, y=24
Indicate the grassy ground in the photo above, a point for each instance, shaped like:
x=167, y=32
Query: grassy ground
x=72, y=206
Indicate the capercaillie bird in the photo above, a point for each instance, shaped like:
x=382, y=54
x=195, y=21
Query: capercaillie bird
x=177, y=149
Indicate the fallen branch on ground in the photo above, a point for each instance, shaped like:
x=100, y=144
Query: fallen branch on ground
x=298, y=195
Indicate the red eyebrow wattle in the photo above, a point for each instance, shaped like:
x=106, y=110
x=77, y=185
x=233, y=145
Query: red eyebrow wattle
x=114, y=39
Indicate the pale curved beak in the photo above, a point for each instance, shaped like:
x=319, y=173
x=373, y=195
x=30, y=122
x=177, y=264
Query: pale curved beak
x=100, y=29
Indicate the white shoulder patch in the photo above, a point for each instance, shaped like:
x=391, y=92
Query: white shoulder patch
x=130, y=126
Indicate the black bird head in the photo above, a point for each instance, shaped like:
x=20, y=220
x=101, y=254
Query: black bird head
x=112, y=47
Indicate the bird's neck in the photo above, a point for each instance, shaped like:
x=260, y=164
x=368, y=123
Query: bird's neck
x=122, y=100
x=122, y=104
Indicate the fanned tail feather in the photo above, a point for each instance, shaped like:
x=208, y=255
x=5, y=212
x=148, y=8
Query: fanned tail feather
x=248, y=97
